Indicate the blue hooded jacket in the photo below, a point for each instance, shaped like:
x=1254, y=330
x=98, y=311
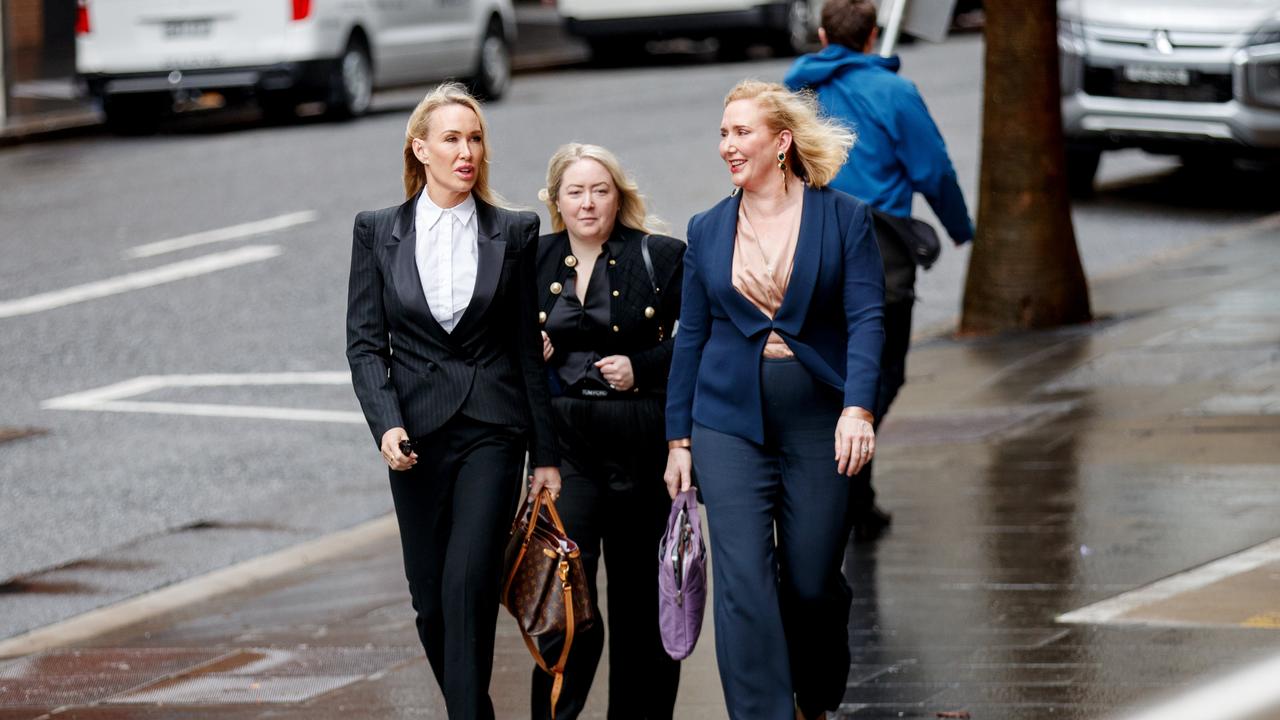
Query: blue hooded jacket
x=899, y=149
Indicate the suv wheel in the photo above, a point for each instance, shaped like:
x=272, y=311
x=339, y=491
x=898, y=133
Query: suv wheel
x=1082, y=166
x=351, y=82
x=493, y=67
x=793, y=38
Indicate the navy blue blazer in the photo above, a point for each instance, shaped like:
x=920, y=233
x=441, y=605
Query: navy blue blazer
x=832, y=317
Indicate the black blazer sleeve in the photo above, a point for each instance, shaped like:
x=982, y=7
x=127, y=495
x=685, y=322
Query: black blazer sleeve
x=652, y=364
x=368, y=339
x=542, y=443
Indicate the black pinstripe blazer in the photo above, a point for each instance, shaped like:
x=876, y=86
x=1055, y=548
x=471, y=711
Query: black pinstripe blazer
x=408, y=372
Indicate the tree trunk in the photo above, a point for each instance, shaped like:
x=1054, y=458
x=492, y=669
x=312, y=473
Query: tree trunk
x=1025, y=270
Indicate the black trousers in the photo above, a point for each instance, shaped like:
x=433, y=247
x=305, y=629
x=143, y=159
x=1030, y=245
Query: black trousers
x=893, y=375
x=777, y=515
x=454, y=509
x=613, y=454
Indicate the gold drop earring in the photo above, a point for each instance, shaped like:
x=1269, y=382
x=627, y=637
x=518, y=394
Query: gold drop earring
x=782, y=165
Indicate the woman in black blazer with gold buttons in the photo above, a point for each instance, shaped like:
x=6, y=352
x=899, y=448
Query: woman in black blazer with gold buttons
x=609, y=298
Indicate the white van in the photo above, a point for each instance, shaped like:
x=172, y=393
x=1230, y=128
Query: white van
x=614, y=28
x=139, y=57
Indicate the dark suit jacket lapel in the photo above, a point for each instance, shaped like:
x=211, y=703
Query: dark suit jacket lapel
x=746, y=316
x=402, y=256
x=804, y=269
x=490, y=253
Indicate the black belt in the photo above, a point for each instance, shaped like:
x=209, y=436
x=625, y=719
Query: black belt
x=593, y=391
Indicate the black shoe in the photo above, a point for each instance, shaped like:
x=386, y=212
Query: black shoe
x=871, y=525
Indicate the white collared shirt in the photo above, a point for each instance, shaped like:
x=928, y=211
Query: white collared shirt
x=447, y=256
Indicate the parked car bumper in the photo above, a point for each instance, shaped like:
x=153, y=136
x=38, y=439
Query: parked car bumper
x=275, y=78
x=1159, y=125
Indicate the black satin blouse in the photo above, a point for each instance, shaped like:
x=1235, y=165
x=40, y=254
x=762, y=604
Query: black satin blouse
x=576, y=329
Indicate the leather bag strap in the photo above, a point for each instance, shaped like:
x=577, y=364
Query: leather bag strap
x=648, y=263
x=557, y=671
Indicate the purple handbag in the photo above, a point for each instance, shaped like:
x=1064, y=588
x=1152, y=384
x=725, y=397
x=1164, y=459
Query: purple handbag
x=682, y=578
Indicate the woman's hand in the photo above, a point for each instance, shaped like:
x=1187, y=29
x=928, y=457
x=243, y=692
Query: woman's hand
x=545, y=477
x=855, y=442
x=547, y=349
x=616, y=370
x=397, y=460
x=679, y=474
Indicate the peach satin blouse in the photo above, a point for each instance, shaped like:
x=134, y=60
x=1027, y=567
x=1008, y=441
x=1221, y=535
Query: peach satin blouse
x=763, y=255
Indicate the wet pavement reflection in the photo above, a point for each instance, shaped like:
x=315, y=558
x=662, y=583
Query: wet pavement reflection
x=1107, y=482
x=1029, y=477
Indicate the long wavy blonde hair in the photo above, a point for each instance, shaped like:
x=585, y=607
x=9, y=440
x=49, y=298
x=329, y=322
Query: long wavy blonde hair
x=415, y=174
x=819, y=145
x=631, y=204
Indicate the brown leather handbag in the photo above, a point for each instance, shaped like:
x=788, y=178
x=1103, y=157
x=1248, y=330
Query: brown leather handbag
x=546, y=587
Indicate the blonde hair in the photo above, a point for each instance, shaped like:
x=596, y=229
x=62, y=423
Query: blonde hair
x=631, y=204
x=819, y=145
x=415, y=174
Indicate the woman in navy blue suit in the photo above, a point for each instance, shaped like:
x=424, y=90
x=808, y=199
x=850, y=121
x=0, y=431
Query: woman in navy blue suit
x=776, y=363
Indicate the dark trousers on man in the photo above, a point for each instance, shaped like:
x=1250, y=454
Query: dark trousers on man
x=893, y=374
x=777, y=516
x=613, y=454
x=455, y=509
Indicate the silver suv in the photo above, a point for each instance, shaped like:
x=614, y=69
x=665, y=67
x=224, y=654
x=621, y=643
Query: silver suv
x=1183, y=77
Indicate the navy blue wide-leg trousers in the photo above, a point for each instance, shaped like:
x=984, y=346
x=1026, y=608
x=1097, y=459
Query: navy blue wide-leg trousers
x=778, y=524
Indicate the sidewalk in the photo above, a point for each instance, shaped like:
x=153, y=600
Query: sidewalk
x=1030, y=477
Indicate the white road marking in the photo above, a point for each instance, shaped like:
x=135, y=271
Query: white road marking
x=138, y=280
x=234, y=232
x=1246, y=693
x=1113, y=609
x=114, y=398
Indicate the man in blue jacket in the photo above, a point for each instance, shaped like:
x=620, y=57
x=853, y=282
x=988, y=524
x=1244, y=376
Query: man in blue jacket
x=899, y=152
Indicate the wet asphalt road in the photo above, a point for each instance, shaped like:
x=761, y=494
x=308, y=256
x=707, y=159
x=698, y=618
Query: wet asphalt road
x=178, y=494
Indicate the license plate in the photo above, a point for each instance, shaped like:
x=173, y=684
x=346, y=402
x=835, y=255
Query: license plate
x=1157, y=74
x=182, y=29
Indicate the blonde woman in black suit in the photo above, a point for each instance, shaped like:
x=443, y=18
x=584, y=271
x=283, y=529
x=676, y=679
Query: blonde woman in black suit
x=609, y=290
x=446, y=359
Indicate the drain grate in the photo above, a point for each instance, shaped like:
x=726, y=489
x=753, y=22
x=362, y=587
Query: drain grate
x=235, y=690
x=188, y=676
x=80, y=677
x=267, y=675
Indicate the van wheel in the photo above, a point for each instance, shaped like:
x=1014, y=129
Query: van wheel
x=135, y=114
x=793, y=38
x=493, y=67
x=351, y=82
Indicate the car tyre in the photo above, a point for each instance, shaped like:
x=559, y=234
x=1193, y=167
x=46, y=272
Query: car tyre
x=1082, y=167
x=351, y=82
x=493, y=66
